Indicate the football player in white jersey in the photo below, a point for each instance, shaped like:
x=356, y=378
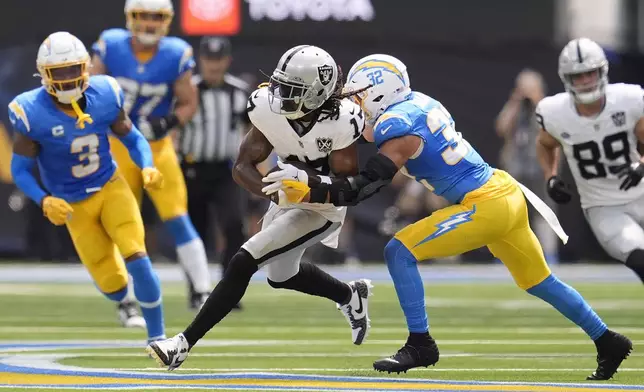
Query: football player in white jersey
x=302, y=116
x=598, y=126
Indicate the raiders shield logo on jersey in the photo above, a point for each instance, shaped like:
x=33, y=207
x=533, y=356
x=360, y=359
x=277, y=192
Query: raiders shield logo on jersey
x=325, y=72
x=619, y=118
x=325, y=144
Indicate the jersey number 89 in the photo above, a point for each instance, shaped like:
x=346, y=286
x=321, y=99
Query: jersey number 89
x=588, y=155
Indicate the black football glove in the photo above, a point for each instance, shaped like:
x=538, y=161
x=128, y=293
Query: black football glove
x=558, y=190
x=632, y=175
x=161, y=125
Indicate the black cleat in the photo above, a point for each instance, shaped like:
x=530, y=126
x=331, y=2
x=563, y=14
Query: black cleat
x=409, y=357
x=612, y=349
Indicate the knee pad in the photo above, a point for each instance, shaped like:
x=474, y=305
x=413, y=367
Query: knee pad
x=241, y=266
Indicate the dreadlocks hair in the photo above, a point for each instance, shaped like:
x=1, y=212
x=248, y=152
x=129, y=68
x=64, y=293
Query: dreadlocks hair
x=330, y=109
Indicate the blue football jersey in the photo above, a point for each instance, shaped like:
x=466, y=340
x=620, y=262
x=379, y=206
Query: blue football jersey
x=148, y=86
x=73, y=162
x=446, y=164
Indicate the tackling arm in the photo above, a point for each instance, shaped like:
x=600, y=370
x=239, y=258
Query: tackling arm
x=378, y=172
x=137, y=146
x=255, y=148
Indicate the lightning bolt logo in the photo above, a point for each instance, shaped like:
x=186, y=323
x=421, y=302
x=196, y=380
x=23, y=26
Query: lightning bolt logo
x=449, y=224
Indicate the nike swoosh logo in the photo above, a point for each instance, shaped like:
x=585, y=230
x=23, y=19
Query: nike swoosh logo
x=386, y=129
x=353, y=110
x=359, y=310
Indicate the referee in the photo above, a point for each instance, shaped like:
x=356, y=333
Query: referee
x=209, y=145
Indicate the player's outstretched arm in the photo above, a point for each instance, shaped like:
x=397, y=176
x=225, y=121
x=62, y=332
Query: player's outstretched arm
x=255, y=148
x=186, y=94
x=377, y=173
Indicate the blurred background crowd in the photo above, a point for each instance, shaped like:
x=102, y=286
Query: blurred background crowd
x=489, y=62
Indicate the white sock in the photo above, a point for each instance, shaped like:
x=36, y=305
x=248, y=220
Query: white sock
x=192, y=256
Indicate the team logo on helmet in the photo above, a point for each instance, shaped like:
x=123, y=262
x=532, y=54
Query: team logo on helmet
x=325, y=144
x=325, y=72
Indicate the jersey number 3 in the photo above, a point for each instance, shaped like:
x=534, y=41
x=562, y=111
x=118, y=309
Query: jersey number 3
x=87, y=149
x=588, y=155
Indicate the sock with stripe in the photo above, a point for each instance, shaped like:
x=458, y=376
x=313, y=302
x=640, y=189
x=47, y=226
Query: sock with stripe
x=147, y=290
x=190, y=251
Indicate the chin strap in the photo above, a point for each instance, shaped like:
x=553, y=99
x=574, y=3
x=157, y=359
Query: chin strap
x=82, y=117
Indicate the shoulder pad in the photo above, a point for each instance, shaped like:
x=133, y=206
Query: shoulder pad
x=18, y=115
x=390, y=126
x=108, y=39
x=257, y=98
x=181, y=51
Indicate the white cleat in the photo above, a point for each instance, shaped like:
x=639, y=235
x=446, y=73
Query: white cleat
x=169, y=352
x=129, y=315
x=356, y=311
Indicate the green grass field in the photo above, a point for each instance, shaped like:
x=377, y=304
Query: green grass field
x=485, y=332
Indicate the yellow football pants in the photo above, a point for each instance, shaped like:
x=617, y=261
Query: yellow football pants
x=496, y=216
x=105, y=226
x=172, y=200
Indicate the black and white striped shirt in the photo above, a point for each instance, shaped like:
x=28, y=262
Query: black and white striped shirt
x=215, y=132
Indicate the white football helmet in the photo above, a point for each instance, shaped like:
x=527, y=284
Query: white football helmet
x=63, y=65
x=386, y=81
x=148, y=20
x=304, y=79
x=580, y=56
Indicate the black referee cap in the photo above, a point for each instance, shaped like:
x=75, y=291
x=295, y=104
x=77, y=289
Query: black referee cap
x=215, y=47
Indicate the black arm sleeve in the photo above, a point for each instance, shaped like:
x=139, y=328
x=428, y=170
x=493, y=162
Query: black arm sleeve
x=349, y=191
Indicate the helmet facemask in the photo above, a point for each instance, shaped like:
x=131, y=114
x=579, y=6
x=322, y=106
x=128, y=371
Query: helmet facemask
x=288, y=97
x=66, y=82
x=148, y=26
x=591, y=89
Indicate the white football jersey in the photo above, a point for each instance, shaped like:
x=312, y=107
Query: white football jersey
x=595, y=147
x=312, y=144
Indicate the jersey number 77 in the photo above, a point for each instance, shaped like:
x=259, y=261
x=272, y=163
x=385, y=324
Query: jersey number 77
x=151, y=94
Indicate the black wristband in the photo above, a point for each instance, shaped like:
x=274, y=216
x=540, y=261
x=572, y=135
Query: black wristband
x=171, y=121
x=319, y=194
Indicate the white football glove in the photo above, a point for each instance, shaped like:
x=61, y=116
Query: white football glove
x=287, y=172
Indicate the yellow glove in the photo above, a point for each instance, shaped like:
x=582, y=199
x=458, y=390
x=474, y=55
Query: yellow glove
x=152, y=178
x=295, y=191
x=56, y=210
